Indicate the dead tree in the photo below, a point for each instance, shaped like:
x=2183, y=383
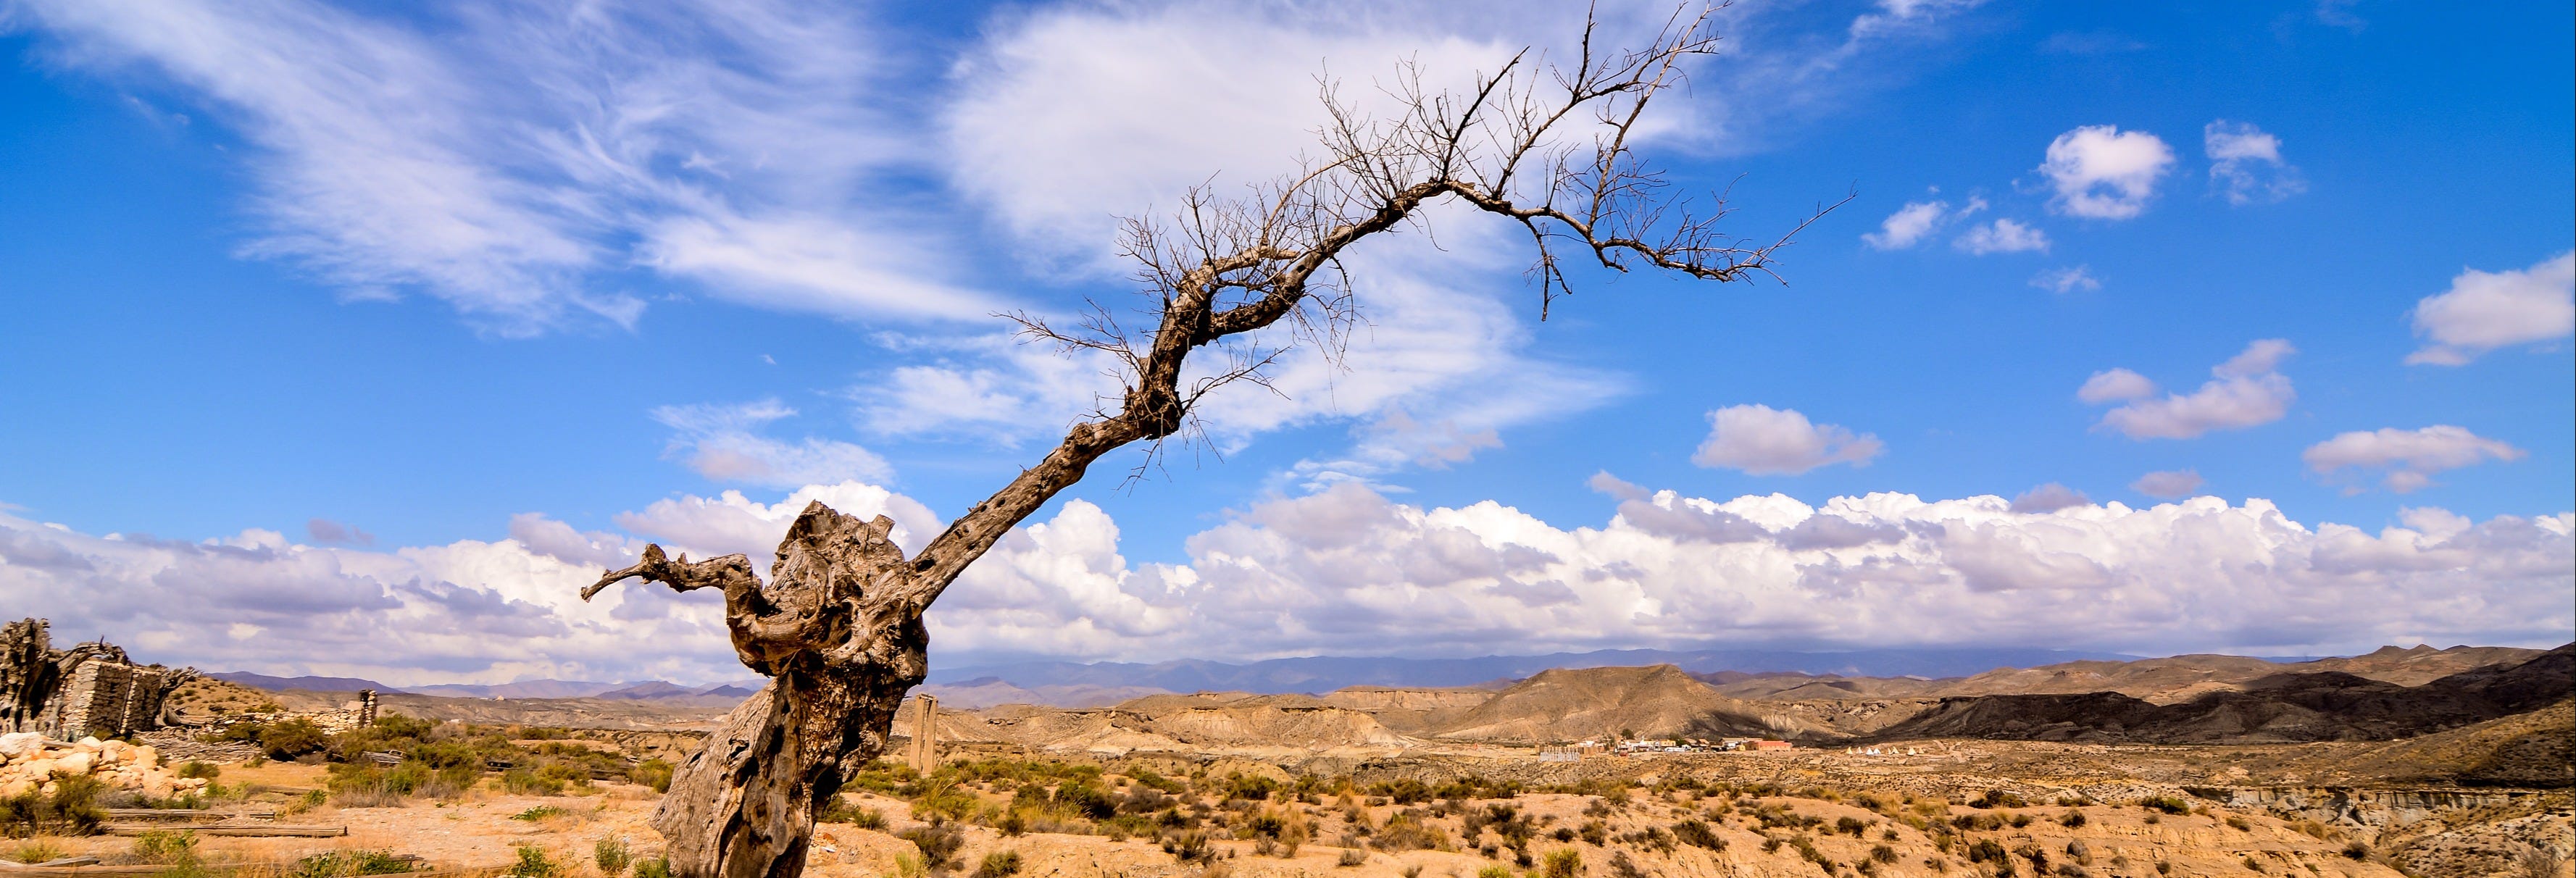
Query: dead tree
x=838, y=625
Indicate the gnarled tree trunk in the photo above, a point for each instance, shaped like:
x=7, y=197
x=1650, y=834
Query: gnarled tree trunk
x=838, y=627
x=839, y=632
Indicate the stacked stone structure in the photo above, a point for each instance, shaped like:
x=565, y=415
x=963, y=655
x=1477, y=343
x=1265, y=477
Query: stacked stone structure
x=91, y=689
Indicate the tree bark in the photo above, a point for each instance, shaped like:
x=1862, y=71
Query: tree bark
x=838, y=630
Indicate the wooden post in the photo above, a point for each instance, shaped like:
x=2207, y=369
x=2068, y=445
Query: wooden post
x=925, y=725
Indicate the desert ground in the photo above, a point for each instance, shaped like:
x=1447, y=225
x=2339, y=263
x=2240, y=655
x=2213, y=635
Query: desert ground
x=2417, y=762
x=1982, y=808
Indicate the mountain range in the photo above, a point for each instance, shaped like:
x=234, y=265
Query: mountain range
x=644, y=691
x=1327, y=673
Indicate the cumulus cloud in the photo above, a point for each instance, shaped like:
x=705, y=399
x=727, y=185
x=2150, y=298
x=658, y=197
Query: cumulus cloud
x=2101, y=172
x=1916, y=221
x=2249, y=390
x=1765, y=441
x=1347, y=571
x=471, y=610
x=326, y=531
x=2483, y=311
x=2245, y=164
x=2066, y=280
x=723, y=443
x=2168, y=484
x=2409, y=458
x=2002, y=236
x=2114, y=384
x=2049, y=498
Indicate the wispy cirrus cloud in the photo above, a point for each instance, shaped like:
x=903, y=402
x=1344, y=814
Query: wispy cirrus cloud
x=508, y=157
x=726, y=443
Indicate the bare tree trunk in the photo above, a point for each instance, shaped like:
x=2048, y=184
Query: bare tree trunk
x=838, y=627
x=839, y=632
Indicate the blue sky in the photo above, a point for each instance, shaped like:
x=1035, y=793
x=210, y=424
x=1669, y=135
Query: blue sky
x=380, y=319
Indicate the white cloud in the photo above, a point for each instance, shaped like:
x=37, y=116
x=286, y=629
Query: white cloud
x=2049, y=498
x=1349, y=572
x=509, y=159
x=2483, y=311
x=1917, y=220
x=2066, y=280
x=2245, y=164
x=1346, y=571
x=2002, y=236
x=1908, y=225
x=1058, y=123
x=2168, y=484
x=2408, y=457
x=2248, y=391
x=723, y=443
x=1764, y=441
x=2114, y=384
x=2101, y=172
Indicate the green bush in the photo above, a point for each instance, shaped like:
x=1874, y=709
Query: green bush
x=999, y=864
x=2166, y=804
x=1697, y=834
x=40, y=852
x=612, y=856
x=534, y=864
x=1563, y=863
x=291, y=738
x=653, y=773
x=528, y=782
x=200, y=769
x=658, y=867
x=1092, y=801
x=938, y=844
x=1999, y=799
x=840, y=810
x=72, y=809
x=169, y=848
x=344, y=864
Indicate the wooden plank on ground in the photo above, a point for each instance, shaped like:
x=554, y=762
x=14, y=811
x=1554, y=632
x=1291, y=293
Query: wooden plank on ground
x=21, y=871
x=257, y=830
x=191, y=814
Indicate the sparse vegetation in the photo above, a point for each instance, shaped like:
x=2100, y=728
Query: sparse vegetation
x=999, y=864
x=612, y=856
x=71, y=809
x=533, y=863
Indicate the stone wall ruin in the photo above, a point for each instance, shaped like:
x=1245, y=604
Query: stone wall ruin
x=89, y=690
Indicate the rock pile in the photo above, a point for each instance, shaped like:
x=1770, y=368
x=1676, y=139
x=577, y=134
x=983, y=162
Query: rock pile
x=32, y=762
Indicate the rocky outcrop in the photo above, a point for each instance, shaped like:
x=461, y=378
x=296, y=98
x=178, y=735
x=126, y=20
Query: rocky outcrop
x=89, y=689
x=34, y=763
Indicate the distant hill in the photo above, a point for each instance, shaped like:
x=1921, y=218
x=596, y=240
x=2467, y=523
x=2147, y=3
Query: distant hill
x=1320, y=674
x=983, y=692
x=1569, y=704
x=664, y=689
x=2161, y=680
x=314, y=684
x=521, y=689
x=2315, y=706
